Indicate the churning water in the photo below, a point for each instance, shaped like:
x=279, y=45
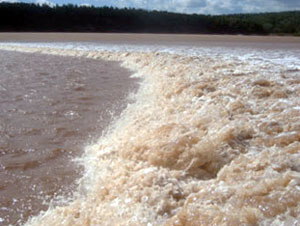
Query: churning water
x=212, y=138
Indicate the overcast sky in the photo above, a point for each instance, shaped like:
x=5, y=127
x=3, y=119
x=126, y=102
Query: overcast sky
x=188, y=6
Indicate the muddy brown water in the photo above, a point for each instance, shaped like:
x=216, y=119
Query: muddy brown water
x=232, y=41
x=50, y=108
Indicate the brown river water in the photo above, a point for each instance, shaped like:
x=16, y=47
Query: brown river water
x=211, y=136
x=50, y=108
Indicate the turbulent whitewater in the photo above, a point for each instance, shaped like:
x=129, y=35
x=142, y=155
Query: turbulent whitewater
x=212, y=138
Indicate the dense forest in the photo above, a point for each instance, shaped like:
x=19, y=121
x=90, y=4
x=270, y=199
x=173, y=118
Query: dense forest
x=73, y=18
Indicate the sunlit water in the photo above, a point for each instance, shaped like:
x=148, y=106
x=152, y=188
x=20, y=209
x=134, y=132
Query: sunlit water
x=212, y=138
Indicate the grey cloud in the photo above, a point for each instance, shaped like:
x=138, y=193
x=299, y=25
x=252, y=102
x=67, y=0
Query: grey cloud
x=209, y=6
x=293, y=3
x=196, y=3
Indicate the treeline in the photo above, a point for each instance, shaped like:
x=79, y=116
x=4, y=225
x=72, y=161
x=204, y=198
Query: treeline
x=73, y=18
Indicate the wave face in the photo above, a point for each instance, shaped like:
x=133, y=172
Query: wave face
x=213, y=138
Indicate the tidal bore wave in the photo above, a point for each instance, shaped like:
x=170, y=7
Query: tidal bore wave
x=208, y=141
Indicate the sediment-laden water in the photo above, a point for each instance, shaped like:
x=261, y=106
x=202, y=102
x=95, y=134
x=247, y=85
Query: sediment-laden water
x=50, y=108
x=212, y=138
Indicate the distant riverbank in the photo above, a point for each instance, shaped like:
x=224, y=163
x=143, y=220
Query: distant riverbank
x=73, y=18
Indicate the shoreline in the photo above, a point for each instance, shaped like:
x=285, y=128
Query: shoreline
x=140, y=37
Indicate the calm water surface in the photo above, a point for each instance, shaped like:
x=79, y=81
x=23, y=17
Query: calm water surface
x=50, y=107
